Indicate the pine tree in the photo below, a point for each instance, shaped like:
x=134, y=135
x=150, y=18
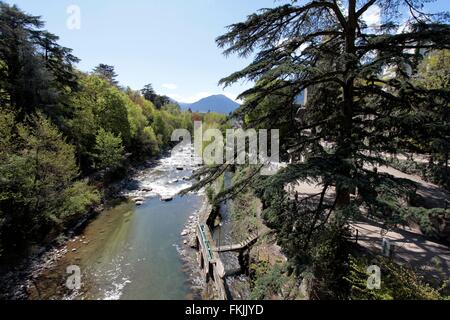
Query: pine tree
x=106, y=72
x=356, y=107
x=149, y=93
x=361, y=101
x=35, y=71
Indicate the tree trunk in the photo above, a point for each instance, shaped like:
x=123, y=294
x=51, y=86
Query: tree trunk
x=344, y=149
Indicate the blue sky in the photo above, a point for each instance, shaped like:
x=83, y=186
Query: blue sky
x=169, y=43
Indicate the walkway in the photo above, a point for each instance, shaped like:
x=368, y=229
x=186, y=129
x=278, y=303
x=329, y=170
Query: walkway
x=240, y=246
x=410, y=246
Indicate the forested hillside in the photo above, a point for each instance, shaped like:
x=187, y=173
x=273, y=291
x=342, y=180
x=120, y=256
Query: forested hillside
x=62, y=130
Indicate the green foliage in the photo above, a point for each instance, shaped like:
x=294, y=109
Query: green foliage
x=162, y=128
x=148, y=93
x=79, y=196
x=143, y=129
x=158, y=101
x=150, y=141
x=106, y=72
x=355, y=114
x=35, y=71
x=244, y=209
x=432, y=222
x=109, y=151
x=434, y=138
x=310, y=239
x=38, y=189
x=434, y=70
x=269, y=280
x=55, y=120
x=433, y=172
x=397, y=282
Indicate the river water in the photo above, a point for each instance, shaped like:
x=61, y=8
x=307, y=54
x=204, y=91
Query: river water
x=132, y=250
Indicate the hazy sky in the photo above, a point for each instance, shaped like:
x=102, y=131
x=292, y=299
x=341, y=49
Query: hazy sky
x=169, y=43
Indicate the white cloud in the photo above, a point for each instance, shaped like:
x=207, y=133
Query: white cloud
x=372, y=16
x=169, y=86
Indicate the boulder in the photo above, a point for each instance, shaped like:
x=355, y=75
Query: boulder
x=166, y=198
x=193, y=242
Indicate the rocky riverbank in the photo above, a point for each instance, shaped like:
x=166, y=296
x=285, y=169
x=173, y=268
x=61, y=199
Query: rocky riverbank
x=155, y=178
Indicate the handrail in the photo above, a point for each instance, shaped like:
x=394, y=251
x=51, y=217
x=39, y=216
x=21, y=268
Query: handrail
x=205, y=241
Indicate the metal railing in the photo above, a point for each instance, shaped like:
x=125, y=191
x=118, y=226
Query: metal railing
x=205, y=241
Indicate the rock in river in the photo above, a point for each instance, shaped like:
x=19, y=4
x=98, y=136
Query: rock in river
x=184, y=233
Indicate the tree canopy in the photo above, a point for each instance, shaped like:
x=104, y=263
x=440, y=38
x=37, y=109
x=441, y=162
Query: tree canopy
x=35, y=70
x=60, y=128
x=363, y=102
x=106, y=72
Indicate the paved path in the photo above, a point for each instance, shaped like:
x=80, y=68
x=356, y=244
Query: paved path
x=411, y=246
x=433, y=196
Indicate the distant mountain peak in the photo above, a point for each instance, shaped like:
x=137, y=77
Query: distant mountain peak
x=218, y=103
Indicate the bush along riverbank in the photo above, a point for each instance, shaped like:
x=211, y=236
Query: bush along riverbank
x=22, y=266
x=137, y=229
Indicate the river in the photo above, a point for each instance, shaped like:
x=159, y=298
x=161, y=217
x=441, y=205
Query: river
x=132, y=250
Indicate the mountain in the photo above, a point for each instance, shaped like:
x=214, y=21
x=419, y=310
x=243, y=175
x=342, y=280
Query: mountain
x=217, y=103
